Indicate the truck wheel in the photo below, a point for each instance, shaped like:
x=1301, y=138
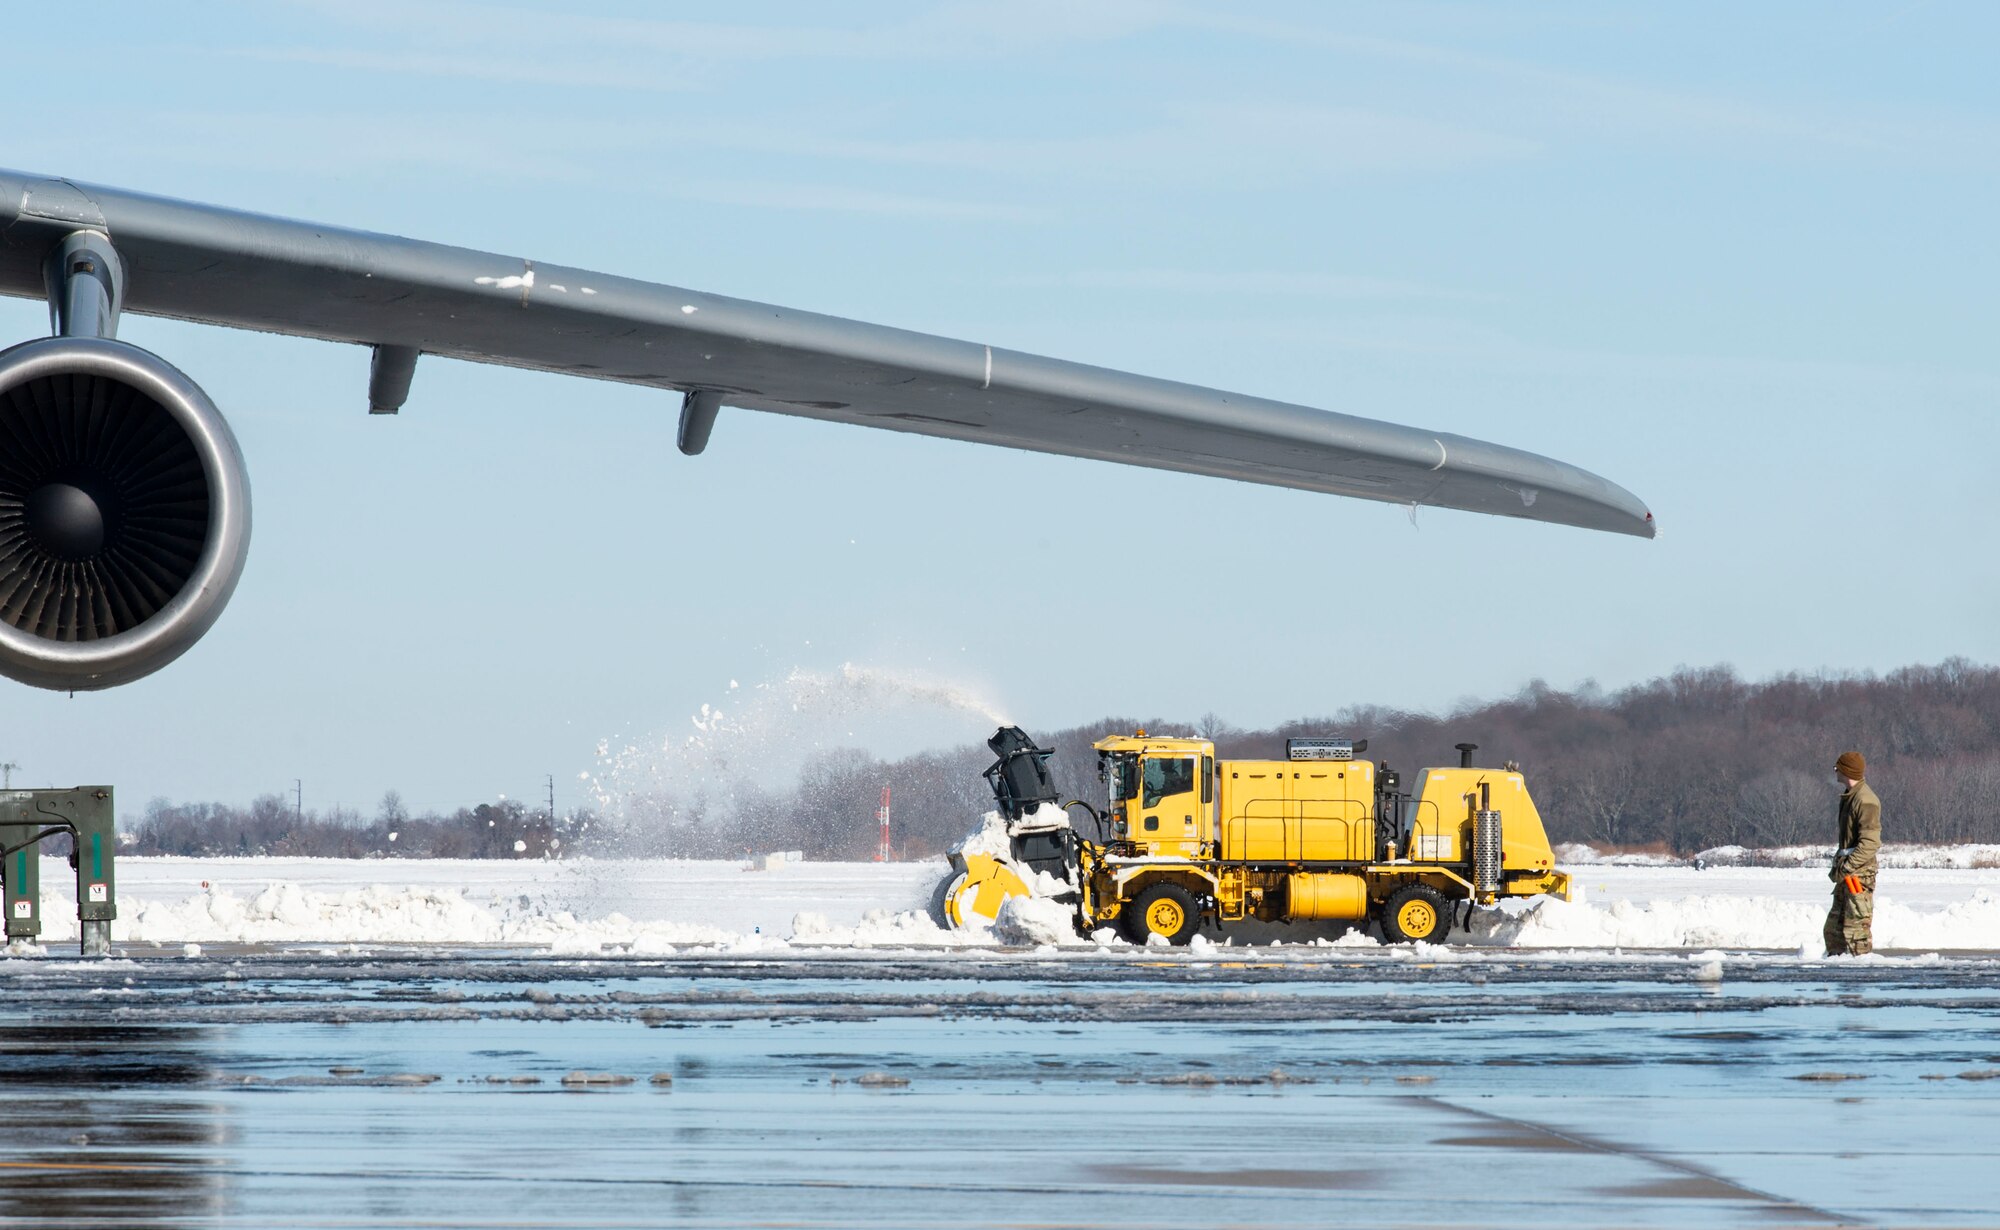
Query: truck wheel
x=1164, y=909
x=1418, y=912
x=942, y=894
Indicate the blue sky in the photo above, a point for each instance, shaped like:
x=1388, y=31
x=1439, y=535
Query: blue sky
x=1739, y=260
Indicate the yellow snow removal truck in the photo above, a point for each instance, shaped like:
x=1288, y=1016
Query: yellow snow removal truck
x=1186, y=839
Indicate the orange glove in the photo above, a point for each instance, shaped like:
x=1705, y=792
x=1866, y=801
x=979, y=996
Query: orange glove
x=1854, y=885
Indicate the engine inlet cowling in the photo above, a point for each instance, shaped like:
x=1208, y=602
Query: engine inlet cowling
x=124, y=513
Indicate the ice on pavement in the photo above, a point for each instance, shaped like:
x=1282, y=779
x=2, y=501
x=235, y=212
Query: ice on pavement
x=653, y=906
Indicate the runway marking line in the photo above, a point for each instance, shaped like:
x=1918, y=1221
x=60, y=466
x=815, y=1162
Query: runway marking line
x=110, y=1166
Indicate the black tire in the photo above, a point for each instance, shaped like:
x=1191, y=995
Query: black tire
x=1402, y=914
x=1133, y=919
x=938, y=895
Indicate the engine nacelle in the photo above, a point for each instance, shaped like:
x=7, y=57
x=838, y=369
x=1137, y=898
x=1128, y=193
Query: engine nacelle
x=124, y=513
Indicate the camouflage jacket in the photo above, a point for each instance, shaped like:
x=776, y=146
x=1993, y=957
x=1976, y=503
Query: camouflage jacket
x=1860, y=833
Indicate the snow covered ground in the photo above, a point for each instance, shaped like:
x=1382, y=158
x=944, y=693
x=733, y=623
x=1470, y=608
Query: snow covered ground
x=651, y=906
x=1970, y=856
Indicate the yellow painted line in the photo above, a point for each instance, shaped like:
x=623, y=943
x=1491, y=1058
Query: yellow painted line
x=84, y=1166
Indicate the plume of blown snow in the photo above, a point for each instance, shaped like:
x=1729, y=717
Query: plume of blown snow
x=731, y=749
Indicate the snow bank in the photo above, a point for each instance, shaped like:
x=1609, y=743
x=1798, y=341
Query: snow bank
x=291, y=913
x=1902, y=856
x=1707, y=921
x=1575, y=853
x=880, y=929
x=659, y=906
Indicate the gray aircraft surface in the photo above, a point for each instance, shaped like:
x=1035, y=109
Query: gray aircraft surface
x=125, y=507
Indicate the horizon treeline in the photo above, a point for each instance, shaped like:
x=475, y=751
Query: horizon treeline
x=1697, y=759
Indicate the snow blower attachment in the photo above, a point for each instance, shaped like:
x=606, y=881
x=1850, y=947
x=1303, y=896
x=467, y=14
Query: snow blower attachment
x=1026, y=839
x=1020, y=777
x=1187, y=840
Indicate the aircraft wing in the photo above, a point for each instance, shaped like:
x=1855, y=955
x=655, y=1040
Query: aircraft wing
x=408, y=298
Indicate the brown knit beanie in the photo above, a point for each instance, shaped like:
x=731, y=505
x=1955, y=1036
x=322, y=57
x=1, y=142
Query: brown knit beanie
x=1851, y=766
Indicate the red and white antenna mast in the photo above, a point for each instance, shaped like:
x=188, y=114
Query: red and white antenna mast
x=882, y=814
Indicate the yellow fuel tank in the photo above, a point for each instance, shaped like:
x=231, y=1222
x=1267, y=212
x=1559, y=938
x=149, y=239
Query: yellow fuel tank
x=1325, y=895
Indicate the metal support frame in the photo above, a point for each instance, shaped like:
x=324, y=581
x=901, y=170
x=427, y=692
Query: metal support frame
x=86, y=286
x=87, y=814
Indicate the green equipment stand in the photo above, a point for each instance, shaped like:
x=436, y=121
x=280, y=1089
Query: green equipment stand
x=27, y=817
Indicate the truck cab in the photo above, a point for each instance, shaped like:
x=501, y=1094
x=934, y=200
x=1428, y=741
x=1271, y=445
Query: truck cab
x=1160, y=794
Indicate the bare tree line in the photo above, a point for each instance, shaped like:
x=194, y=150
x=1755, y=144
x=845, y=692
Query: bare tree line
x=1696, y=759
x=269, y=826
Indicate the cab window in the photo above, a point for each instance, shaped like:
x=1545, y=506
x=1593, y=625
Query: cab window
x=1120, y=771
x=1167, y=777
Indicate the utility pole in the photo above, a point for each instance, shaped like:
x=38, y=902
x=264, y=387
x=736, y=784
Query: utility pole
x=552, y=801
x=882, y=814
x=298, y=802
x=7, y=775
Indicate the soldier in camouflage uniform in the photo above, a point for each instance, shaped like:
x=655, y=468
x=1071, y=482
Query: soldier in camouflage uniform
x=1849, y=923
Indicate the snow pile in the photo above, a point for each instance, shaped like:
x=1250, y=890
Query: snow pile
x=1719, y=922
x=990, y=838
x=880, y=929
x=656, y=906
x=377, y=914
x=1037, y=921
x=1575, y=853
x=381, y=914
x=1896, y=855
x=1687, y=922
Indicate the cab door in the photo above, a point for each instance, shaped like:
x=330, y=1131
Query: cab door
x=1170, y=807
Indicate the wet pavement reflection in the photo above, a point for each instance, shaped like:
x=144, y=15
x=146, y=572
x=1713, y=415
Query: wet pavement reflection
x=108, y=1125
x=261, y=1087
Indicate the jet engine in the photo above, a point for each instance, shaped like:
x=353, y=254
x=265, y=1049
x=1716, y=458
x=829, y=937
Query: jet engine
x=124, y=513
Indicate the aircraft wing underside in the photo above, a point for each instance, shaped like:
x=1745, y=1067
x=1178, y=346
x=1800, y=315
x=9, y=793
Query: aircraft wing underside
x=405, y=297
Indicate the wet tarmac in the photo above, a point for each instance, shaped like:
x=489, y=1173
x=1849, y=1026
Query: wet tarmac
x=274, y=1087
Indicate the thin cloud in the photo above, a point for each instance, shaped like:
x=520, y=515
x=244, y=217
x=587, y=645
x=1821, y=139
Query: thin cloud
x=512, y=70
x=837, y=198
x=952, y=31
x=1243, y=282
x=1241, y=146
x=1586, y=101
